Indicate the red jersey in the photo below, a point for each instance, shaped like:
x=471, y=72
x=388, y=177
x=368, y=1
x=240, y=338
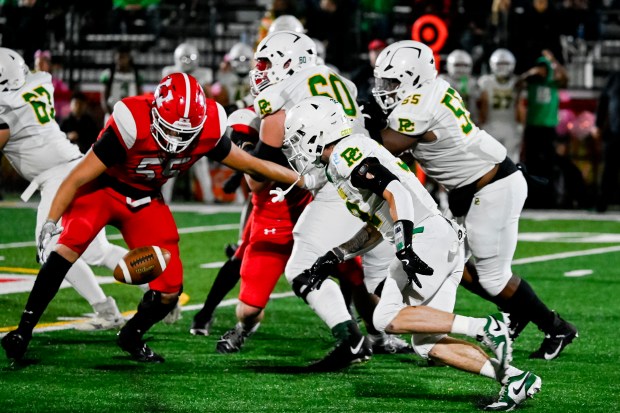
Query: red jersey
x=146, y=166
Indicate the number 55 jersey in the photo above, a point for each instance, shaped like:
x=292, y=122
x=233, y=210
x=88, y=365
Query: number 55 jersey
x=461, y=152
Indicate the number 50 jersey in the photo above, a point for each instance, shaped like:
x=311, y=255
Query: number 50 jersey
x=462, y=152
x=36, y=142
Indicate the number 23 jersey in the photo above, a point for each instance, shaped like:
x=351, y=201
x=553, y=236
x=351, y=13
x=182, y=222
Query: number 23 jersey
x=462, y=152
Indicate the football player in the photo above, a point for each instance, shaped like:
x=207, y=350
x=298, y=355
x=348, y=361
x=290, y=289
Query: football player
x=118, y=182
x=499, y=115
x=486, y=190
x=380, y=190
x=286, y=73
x=40, y=152
x=459, y=67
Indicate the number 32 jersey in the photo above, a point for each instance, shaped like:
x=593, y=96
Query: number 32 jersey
x=36, y=142
x=462, y=153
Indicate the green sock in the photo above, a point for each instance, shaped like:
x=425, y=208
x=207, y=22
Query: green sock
x=342, y=331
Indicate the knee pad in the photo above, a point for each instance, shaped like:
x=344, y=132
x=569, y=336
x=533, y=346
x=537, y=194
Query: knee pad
x=493, y=275
x=423, y=343
x=385, y=312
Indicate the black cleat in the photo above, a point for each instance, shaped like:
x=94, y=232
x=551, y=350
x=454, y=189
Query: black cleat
x=516, y=326
x=233, y=339
x=137, y=349
x=200, y=329
x=347, y=352
x=562, y=335
x=15, y=344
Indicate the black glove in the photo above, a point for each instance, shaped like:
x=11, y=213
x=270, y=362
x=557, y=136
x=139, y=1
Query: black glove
x=375, y=120
x=412, y=264
x=232, y=183
x=312, y=278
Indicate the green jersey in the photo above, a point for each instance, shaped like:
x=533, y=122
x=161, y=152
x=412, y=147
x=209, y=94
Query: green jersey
x=543, y=100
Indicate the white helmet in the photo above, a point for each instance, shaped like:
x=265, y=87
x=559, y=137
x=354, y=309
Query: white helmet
x=310, y=126
x=320, y=51
x=401, y=68
x=278, y=56
x=502, y=63
x=240, y=58
x=459, y=63
x=13, y=70
x=288, y=23
x=186, y=57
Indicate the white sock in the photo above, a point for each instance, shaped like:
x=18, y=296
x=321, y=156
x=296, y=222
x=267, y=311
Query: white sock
x=489, y=369
x=469, y=326
x=328, y=303
x=82, y=278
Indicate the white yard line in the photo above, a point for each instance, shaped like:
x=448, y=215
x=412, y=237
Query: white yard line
x=562, y=255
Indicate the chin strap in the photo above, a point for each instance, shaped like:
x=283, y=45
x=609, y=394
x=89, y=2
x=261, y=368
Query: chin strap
x=279, y=193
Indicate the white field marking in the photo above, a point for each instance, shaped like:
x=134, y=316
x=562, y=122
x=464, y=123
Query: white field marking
x=570, y=237
x=216, y=264
x=578, y=273
x=189, y=230
x=67, y=325
x=562, y=255
x=175, y=207
x=1, y=257
x=563, y=215
x=26, y=282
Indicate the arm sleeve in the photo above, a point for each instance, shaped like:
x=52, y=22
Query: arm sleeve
x=3, y=126
x=109, y=148
x=221, y=149
x=370, y=174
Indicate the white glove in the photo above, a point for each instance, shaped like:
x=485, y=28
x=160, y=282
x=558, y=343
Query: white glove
x=49, y=230
x=278, y=195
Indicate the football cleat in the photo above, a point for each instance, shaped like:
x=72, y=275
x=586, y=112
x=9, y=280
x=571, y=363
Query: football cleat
x=496, y=336
x=233, y=339
x=563, y=334
x=174, y=315
x=137, y=349
x=516, y=326
x=15, y=344
x=200, y=329
x=107, y=317
x=516, y=390
x=384, y=343
x=347, y=352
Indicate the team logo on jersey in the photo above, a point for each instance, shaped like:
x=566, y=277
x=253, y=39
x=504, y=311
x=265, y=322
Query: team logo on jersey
x=351, y=155
x=264, y=107
x=405, y=125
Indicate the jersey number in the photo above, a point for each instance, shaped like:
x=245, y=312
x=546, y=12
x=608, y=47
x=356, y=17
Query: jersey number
x=335, y=89
x=453, y=101
x=172, y=167
x=502, y=99
x=41, y=103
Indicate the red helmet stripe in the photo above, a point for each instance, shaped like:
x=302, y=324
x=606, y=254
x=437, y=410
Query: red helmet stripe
x=187, y=96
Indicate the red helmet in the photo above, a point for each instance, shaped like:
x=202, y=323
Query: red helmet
x=179, y=112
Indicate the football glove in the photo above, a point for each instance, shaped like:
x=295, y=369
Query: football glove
x=312, y=278
x=412, y=264
x=49, y=230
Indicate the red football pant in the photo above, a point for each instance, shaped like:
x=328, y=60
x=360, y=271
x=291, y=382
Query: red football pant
x=95, y=207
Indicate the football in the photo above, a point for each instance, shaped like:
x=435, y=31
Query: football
x=142, y=265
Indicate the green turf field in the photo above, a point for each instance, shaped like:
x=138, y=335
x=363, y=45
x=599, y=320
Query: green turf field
x=71, y=371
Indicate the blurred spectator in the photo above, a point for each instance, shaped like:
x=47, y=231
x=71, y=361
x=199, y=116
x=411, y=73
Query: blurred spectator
x=543, y=82
x=363, y=76
x=332, y=23
x=608, y=130
x=80, y=126
x=62, y=93
x=122, y=79
x=278, y=8
x=499, y=20
x=135, y=17
x=540, y=31
x=25, y=28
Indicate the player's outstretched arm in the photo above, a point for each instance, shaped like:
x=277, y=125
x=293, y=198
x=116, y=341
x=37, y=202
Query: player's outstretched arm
x=89, y=168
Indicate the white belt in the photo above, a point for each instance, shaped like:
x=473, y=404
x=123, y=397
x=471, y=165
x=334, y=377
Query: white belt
x=36, y=183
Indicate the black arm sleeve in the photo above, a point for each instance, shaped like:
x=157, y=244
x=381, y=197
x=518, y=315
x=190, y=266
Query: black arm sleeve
x=221, y=149
x=370, y=174
x=109, y=148
x=270, y=153
x=3, y=126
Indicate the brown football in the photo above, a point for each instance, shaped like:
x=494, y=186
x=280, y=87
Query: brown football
x=142, y=265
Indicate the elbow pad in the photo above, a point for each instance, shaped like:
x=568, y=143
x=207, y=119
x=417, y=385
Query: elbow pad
x=371, y=175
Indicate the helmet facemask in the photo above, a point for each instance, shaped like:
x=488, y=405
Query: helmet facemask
x=173, y=138
x=386, y=93
x=259, y=76
x=305, y=151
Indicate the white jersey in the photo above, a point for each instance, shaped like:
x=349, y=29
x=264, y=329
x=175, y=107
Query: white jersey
x=311, y=81
x=203, y=75
x=467, y=86
x=501, y=120
x=462, y=152
x=36, y=142
x=363, y=203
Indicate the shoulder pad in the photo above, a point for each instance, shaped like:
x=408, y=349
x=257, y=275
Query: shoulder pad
x=269, y=101
x=349, y=153
x=404, y=119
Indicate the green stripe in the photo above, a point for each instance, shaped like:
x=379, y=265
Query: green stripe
x=418, y=230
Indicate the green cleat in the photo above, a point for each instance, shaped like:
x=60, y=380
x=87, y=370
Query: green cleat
x=516, y=390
